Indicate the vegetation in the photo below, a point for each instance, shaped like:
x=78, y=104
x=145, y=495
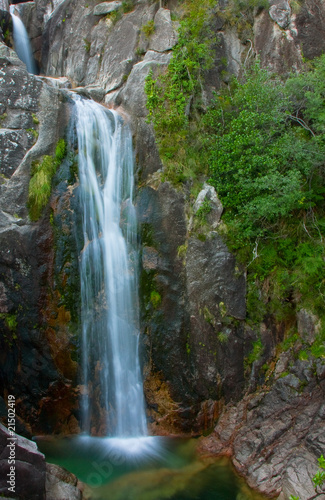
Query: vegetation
x=262, y=142
x=40, y=184
x=148, y=28
x=266, y=152
x=175, y=95
x=127, y=6
x=155, y=299
x=240, y=14
x=204, y=210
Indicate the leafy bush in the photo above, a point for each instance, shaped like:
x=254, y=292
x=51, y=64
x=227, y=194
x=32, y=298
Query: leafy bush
x=266, y=147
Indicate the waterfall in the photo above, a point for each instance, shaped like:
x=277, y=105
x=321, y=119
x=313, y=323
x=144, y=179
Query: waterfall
x=108, y=273
x=21, y=42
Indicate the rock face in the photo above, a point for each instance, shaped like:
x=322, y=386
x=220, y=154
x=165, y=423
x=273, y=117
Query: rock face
x=190, y=325
x=31, y=358
x=280, y=12
x=277, y=434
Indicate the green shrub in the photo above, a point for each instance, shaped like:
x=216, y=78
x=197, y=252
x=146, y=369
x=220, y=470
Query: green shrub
x=266, y=152
x=40, y=184
x=127, y=6
x=204, y=210
x=148, y=28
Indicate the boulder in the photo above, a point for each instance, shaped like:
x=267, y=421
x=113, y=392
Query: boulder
x=104, y=8
x=61, y=484
x=29, y=467
x=132, y=95
x=208, y=194
x=280, y=12
x=165, y=35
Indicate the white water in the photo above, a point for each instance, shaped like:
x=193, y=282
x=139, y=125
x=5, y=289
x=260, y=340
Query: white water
x=108, y=270
x=21, y=42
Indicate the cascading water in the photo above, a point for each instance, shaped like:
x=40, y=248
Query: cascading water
x=108, y=270
x=21, y=42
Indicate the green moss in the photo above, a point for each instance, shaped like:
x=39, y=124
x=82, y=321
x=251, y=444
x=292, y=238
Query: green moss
x=181, y=252
x=290, y=341
x=208, y=316
x=40, y=186
x=33, y=131
x=10, y=321
x=222, y=337
x=303, y=355
x=147, y=235
x=155, y=299
x=35, y=119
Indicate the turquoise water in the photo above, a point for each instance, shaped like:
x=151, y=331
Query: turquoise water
x=152, y=468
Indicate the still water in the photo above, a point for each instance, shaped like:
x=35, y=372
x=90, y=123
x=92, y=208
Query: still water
x=147, y=468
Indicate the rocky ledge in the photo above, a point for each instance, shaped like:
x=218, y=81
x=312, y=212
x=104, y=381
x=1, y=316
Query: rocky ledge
x=275, y=435
x=23, y=470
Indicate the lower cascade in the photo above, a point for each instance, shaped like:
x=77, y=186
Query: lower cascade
x=113, y=393
x=21, y=42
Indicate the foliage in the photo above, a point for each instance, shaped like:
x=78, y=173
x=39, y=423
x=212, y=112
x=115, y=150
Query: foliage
x=127, y=6
x=266, y=146
x=204, y=210
x=41, y=180
x=148, y=28
x=174, y=97
x=255, y=354
x=263, y=142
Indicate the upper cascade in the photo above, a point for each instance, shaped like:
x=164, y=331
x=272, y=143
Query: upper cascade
x=21, y=42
